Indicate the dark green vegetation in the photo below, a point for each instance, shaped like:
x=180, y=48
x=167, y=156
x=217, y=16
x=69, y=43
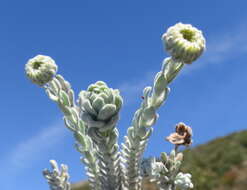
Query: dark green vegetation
x=220, y=164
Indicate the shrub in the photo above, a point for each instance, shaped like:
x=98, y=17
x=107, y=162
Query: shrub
x=94, y=116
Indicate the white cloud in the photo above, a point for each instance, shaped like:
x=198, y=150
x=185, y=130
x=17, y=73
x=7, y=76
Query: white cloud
x=26, y=152
x=229, y=44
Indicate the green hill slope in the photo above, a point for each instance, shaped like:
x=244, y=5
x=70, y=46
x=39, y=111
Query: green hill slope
x=220, y=164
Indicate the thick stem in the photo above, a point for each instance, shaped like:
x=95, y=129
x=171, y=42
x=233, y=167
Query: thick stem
x=60, y=91
x=108, y=157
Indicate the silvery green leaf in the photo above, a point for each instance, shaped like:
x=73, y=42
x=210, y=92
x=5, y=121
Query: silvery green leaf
x=158, y=100
x=148, y=117
x=106, y=112
x=104, y=96
x=83, y=160
x=172, y=68
x=67, y=85
x=148, y=134
x=172, y=155
x=143, y=141
x=164, y=157
x=81, y=127
x=101, y=83
x=74, y=115
x=111, y=143
x=92, y=97
x=109, y=94
x=81, y=139
x=127, y=142
x=53, y=86
x=81, y=149
x=83, y=95
x=114, y=151
x=62, y=82
x=124, y=146
x=130, y=132
x=110, y=124
x=85, y=103
x=95, y=135
x=113, y=137
x=136, y=118
x=57, y=83
x=90, y=122
x=91, y=87
x=142, y=131
x=116, y=92
x=160, y=90
x=60, y=78
x=51, y=95
x=146, y=95
x=71, y=97
x=177, y=164
x=57, y=179
x=68, y=124
x=160, y=83
x=98, y=103
x=116, y=156
x=54, y=165
x=63, y=98
x=118, y=102
x=89, y=156
x=65, y=109
x=89, y=174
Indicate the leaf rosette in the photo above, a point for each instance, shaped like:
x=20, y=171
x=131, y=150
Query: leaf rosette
x=100, y=106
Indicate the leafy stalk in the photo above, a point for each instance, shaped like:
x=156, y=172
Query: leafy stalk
x=100, y=107
x=57, y=179
x=60, y=91
x=144, y=118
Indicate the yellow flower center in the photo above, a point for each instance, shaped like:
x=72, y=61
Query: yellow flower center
x=188, y=34
x=36, y=65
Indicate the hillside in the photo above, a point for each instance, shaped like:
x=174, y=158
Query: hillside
x=220, y=164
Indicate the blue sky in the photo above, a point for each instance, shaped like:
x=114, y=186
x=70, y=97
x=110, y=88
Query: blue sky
x=117, y=42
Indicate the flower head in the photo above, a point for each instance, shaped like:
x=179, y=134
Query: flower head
x=184, y=42
x=41, y=69
x=182, y=135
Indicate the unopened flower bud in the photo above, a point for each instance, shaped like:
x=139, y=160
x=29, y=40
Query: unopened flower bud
x=41, y=69
x=184, y=42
